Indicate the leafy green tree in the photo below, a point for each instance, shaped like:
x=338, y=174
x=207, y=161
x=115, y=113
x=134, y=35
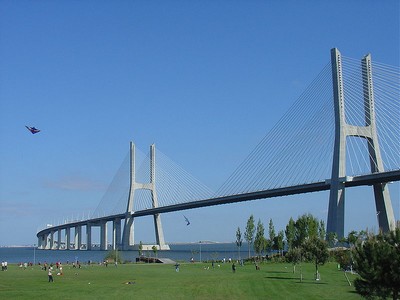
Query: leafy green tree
x=302, y=228
x=363, y=235
x=278, y=242
x=352, y=238
x=305, y=238
x=140, y=249
x=290, y=233
x=154, y=248
x=377, y=261
x=259, y=241
x=332, y=239
x=294, y=256
x=316, y=250
x=343, y=257
x=321, y=230
x=239, y=240
x=306, y=227
x=271, y=234
x=249, y=233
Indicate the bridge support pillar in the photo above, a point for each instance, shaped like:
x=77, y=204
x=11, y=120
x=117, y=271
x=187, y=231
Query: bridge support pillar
x=88, y=236
x=51, y=240
x=58, y=239
x=342, y=131
x=128, y=239
x=78, y=237
x=157, y=218
x=67, y=237
x=383, y=203
x=116, y=238
x=159, y=233
x=47, y=241
x=103, y=236
x=42, y=241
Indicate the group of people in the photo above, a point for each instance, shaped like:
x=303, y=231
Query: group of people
x=105, y=263
x=4, y=266
x=25, y=265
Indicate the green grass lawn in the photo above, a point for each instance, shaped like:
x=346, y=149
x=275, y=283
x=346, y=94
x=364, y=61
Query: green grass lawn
x=193, y=281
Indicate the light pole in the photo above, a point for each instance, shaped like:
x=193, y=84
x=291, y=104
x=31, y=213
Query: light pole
x=200, y=250
x=34, y=254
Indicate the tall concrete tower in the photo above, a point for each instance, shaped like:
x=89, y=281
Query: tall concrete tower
x=128, y=232
x=336, y=210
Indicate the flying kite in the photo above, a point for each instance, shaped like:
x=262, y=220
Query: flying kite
x=187, y=221
x=33, y=130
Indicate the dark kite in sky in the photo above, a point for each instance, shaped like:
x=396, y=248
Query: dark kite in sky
x=33, y=130
x=187, y=221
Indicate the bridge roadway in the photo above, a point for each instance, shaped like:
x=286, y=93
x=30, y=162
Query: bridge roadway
x=361, y=180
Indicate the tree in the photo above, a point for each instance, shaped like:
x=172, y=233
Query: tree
x=363, y=235
x=332, y=239
x=271, y=233
x=140, y=249
x=352, y=238
x=249, y=233
x=306, y=227
x=343, y=257
x=321, y=230
x=377, y=261
x=260, y=241
x=316, y=250
x=239, y=240
x=278, y=242
x=290, y=233
x=154, y=248
x=294, y=256
x=305, y=238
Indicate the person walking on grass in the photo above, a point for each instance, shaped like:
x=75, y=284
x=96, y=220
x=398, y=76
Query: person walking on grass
x=50, y=275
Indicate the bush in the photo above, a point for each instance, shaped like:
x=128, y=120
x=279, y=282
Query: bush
x=343, y=257
x=377, y=261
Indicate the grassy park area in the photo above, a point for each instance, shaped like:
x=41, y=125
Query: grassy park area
x=193, y=281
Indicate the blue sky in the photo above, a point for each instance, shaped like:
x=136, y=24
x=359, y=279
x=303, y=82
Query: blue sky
x=204, y=80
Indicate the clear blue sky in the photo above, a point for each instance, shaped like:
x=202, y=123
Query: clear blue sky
x=204, y=80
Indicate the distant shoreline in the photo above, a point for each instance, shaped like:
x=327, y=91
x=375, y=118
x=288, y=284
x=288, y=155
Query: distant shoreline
x=171, y=243
x=18, y=246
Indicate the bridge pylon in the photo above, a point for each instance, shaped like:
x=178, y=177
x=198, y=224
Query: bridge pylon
x=384, y=210
x=128, y=231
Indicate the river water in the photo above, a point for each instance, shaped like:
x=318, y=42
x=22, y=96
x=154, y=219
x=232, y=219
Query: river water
x=178, y=252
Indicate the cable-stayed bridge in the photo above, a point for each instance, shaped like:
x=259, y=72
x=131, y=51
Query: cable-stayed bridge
x=343, y=131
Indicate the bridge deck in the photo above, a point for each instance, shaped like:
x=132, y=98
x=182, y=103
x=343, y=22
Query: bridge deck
x=361, y=180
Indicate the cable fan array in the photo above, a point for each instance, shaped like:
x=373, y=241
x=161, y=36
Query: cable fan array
x=173, y=185
x=298, y=149
x=386, y=90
